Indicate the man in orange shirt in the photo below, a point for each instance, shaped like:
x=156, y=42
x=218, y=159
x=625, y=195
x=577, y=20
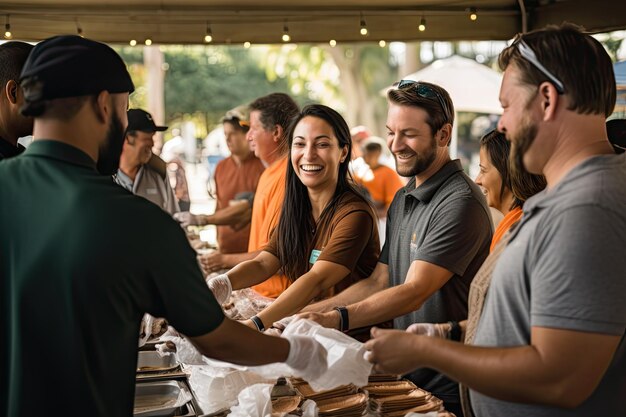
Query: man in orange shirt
x=269, y=119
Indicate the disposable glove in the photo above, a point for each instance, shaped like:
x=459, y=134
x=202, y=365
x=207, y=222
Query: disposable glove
x=440, y=330
x=221, y=288
x=307, y=357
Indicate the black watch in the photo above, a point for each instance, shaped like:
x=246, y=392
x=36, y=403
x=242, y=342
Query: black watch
x=455, y=331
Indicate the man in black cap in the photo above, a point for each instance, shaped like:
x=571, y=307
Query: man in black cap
x=141, y=172
x=74, y=282
x=12, y=124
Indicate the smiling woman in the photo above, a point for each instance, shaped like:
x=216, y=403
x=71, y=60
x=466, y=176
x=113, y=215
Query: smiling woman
x=327, y=237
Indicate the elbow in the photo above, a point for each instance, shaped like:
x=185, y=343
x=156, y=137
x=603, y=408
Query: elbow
x=567, y=395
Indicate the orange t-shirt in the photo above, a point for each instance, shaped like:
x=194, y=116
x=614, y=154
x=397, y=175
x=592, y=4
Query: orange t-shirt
x=509, y=220
x=268, y=201
x=383, y=186
x=231, y=179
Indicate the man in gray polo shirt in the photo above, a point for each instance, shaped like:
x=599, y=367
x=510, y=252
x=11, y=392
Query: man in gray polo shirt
x=550, y=341
x=438, y=232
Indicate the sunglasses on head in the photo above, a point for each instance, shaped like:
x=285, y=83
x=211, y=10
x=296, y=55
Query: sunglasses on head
x=424, y=91
x=529, y=55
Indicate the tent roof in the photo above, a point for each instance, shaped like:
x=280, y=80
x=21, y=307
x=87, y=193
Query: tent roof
x=473, y=87
x=237, y=21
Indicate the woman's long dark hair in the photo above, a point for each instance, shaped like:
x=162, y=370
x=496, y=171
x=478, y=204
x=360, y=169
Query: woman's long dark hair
x=296, y=225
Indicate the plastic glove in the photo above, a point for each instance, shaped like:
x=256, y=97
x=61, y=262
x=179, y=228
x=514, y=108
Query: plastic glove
x=185, y=218
x=440, y=330
x=221, y=288
x=307, y=357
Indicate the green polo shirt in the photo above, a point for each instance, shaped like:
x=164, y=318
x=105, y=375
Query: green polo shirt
x=81, y=260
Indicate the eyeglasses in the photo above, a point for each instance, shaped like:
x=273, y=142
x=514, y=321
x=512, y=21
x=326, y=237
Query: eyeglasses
x=529, y=55
x=425, y=91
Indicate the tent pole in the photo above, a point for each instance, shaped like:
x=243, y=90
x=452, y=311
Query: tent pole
x=522, y=7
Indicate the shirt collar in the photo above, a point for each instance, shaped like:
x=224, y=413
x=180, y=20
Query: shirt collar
x=427, y=190
x=60, y=151
x=7, y=149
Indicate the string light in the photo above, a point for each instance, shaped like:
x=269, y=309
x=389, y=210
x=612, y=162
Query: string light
x=79, y=30
x=148, y=42
x=333, y=43
x=422, y=26
x=472, y=14
x=363, y=26
x=132, y=42
x=247, y=44
x=382, y=43
x=7, y=29
x=286, y=37
x=208, y=36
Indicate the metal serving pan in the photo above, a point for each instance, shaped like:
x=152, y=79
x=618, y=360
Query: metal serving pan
x=161, y=399
x=151, y=361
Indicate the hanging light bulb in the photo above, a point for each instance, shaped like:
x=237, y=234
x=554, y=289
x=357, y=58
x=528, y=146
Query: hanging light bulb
x=422, y=26
x=7, y=29
x=286, y=37
x=382, y=43
x=148, y=42
x=79, y=30
x=472, y=14
x=363, y=26
x=132, y=42
x=247, y=44
x=208, y=36
x=333, y=43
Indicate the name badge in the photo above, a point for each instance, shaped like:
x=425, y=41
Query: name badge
x=314, y=255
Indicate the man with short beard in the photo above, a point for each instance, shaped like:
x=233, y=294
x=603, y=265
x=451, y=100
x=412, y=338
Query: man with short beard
x=141, y=172
x=438, y=233
x=551, y=338
x=81, y=258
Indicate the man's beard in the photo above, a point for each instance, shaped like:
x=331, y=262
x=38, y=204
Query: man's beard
x=422, y=163
x=111, y=151
x=521, y=143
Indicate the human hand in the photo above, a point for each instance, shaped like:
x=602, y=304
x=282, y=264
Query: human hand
x=330, y=319
x=185, y=219
x=221, y=288
x=440, y=330
x=307, y=357
x=211, y=262
x=393, y=351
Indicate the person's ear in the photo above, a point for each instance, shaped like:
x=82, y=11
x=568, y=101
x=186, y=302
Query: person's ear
x=344, y=154
x=103, y=106
x=549, y=100
x=278, y=133
x=10, y=90
x=444, y=135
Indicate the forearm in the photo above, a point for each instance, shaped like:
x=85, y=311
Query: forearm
x=385, y=305
x=236, y=343
x=230, y=260
x=229, y=215
x=353, y=294
x=248, y=272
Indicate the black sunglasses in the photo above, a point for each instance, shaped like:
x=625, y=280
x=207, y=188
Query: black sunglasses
x=424, y=91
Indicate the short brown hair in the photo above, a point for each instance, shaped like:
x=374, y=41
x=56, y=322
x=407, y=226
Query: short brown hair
x=578, y=60
x=276, y=109
x=438, y=116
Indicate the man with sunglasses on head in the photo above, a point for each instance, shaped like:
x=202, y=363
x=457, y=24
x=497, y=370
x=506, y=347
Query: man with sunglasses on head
x=438, y=233
x=550, y=341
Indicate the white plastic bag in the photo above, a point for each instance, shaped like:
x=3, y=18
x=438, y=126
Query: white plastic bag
x=346, y=364
x=254, y=401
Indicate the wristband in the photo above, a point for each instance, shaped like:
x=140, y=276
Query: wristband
x=344, y=321
x=258, y=323
x=455, y=331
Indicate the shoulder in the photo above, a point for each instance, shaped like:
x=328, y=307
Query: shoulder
x=350, y=203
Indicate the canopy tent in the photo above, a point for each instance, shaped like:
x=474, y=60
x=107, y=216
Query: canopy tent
x=473, y=87
x=318, y=21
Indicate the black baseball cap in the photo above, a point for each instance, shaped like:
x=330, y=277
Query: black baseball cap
x=72, y=66
x=142, y=120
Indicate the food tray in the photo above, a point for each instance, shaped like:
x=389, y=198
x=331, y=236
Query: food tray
x=161, y=399
x=151, y=362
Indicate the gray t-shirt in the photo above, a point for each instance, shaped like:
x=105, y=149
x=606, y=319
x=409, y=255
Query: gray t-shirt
x=564, y=268
x=446, y=222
